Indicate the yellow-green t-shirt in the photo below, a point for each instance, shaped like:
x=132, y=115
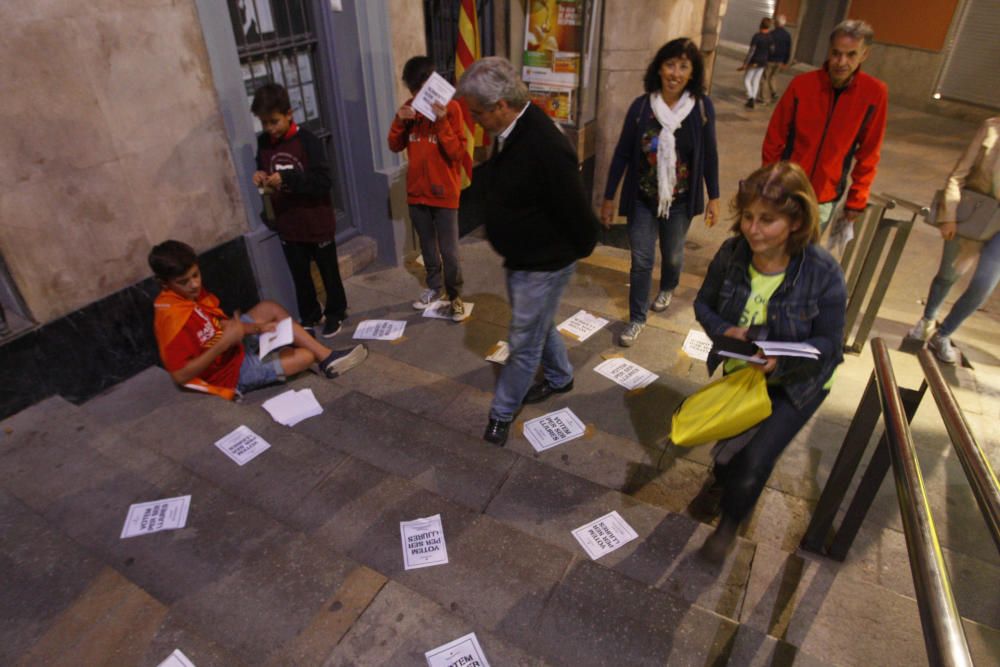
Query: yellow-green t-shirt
x=762, y=287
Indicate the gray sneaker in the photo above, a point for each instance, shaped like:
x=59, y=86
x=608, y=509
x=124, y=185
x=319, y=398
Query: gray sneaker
x=943, y=349
x=662, y=301
x=921, y=330
x=630, y=334
x=426, y=298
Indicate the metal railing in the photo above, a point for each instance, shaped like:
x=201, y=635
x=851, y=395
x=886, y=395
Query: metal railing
x=943, y=635
x=862, y=257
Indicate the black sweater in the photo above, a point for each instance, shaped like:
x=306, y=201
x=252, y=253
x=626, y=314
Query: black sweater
x=538, y=216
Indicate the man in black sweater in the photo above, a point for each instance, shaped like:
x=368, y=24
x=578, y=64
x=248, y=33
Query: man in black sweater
x=539, y=219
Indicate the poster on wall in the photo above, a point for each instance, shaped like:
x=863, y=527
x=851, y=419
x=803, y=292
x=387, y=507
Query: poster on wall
x=556, y=101
x=553, y=42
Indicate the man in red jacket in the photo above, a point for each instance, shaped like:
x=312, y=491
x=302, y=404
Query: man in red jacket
x=433, y=184
x=830, y=117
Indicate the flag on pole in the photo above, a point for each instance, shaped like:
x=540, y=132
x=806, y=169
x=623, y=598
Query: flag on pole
x=466, y=53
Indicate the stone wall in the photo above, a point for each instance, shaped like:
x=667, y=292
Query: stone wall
x=633, y=31
x=113, y=142
x=409, y=38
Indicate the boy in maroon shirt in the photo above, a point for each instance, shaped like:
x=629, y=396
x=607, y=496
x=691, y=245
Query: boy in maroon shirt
x=292, y=165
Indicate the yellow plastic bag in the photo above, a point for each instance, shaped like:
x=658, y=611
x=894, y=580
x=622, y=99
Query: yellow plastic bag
x=722, y=409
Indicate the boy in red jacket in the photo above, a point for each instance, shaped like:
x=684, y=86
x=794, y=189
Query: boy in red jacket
x=433, y=184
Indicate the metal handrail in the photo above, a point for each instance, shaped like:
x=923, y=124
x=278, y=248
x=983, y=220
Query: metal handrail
x=981, y=477
x=943, y=635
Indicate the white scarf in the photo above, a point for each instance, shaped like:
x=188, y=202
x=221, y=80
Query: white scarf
x=666, y=151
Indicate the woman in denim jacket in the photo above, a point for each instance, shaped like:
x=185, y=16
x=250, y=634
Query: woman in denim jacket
x=773, y=277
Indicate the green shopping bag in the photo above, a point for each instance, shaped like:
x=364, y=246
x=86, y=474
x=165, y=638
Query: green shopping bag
x=721, y=409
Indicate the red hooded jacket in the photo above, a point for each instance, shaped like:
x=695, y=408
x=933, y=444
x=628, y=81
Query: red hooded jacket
x=822, y=134
x=435, y=150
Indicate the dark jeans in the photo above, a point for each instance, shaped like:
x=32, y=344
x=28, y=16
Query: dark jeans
x=644, y=228
x=299, y=257
x=437, y=229
x=743, y=478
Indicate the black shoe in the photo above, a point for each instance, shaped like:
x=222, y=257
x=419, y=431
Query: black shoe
x=496, y=432
x=542, y=390
x=749, y=104
x=719, y=543
x=708, y=503
x=332, y=327
x=341, y=361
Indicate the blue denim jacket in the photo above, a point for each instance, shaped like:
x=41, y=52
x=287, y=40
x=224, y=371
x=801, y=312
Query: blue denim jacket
x=808, y=306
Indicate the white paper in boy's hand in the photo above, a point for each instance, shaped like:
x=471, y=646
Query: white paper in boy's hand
x=697, y=345
x=435, y=90
x=464, y=651
x=281, y=336
x=423, y=542
x=242, y=445
x=553, y=429
x=156, y=515
x=602, y=536
x=380, y=330
x=441, y=309
x=624, y=372
x=582, y=325
x=176, y=659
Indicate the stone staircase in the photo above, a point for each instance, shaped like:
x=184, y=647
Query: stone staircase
x=295, y=557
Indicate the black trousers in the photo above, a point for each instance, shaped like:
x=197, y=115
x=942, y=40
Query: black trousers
x=300, y=257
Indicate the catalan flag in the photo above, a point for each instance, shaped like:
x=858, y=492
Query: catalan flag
x=466, y=53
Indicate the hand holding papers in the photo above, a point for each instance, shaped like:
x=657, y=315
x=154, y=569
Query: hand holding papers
x=423, y=542
x=281, y=336
x=464, y=651
x=734, y=348
x=242, y=445
x=582, y=325
x=602, y=536
x=292, y=407
x=380, y=330
x=436, y=90
x=553, y=429
x=152, y=517
x=624, y=372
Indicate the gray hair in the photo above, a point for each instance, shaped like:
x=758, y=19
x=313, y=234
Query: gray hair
x=780, y=20
x=489, y=80
x=854, y=29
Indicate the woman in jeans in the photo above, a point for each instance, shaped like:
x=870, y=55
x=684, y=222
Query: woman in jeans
x=979, y=170
x=668, y=156
x=771, y=274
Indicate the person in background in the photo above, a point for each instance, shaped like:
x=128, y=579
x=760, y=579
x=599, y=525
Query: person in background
x=668, y=155
x=771, y=273
x=829, y=118
x=778, y=59
x=979, y=170
x=756, y=61
x=433, y=184
x=539, y=218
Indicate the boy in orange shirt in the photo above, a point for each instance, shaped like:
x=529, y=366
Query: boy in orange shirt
x=433, y=184
x=206, y=350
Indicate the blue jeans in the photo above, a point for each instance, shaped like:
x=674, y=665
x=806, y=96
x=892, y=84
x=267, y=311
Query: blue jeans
x=984, y=280
x=643, y=229
x=534, y=297
x=254, y=371
x=437, y=229
x=744, y=477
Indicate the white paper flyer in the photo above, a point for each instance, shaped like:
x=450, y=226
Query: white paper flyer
x=156, y=515
x=242, y=445
x=423, y=542
x=602, y=536
x=553, y=429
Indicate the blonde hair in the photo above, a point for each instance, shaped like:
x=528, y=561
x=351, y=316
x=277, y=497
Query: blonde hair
x=786, y=186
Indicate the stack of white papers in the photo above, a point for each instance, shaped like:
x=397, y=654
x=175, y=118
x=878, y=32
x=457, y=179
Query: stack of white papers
x=423, y=542
x=293, y=406
x=774, y=348
x=464, y=651
x=380, y=330
x=157, y=515
x=624, y=372
x=281, y=336
x=582, y=325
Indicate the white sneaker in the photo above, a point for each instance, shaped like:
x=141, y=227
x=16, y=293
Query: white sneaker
x=662, y=301
x=943, y=349
x=426, y=298
x=921, y=330
x=630, y=334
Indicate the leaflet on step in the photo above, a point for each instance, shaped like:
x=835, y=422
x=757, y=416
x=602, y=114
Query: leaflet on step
x=582, y=325
x=604, y=535
x=293, y=406
x=553, y=429
x=464, y=651
x=624, y=372
x=380, y=330
x=423, y=542
x=156, y=515
x=176, y=659
x=242, y=445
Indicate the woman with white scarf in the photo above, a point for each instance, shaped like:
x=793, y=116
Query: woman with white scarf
x=668, y=156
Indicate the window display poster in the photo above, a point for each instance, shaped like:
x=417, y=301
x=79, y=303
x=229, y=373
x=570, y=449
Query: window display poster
x=553, y=40
x=556, y=102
